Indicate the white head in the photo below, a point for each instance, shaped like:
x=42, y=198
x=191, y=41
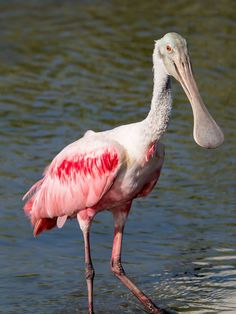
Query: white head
x=172, y=50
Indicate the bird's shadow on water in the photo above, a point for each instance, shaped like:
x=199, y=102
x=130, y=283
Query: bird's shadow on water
x=127, y=304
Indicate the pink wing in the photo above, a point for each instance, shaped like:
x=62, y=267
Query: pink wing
x=77, y=178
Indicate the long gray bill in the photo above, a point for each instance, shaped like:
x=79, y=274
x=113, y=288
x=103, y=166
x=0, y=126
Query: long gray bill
x=206, y=132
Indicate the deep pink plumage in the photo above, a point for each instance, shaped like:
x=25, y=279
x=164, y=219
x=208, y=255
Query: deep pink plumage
x=75, y=180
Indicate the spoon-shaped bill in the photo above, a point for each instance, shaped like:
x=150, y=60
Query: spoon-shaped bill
x=206, y=132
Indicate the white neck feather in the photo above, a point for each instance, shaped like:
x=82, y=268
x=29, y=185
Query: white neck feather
x=159, y=114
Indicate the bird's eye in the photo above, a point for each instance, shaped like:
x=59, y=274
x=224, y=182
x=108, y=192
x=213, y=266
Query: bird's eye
x=169, y=48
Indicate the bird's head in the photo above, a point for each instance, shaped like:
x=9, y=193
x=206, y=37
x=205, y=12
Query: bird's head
x=172, y=50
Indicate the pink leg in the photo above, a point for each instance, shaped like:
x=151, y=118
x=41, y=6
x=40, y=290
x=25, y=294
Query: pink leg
x=89, y=271
x=120, y=218
x=85, y=221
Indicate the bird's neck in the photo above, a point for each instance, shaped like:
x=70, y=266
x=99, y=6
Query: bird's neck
x=157, y=119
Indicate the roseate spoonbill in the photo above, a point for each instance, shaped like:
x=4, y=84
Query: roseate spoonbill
x=107, y=170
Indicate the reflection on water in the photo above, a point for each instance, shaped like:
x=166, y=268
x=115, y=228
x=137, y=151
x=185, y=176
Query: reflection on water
x=71, y=66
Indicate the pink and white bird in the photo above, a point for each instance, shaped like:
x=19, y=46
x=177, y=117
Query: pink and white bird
x=107, y=170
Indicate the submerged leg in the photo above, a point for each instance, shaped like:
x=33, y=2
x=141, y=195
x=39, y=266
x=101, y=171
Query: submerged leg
x=120, y=217
x=89, y=270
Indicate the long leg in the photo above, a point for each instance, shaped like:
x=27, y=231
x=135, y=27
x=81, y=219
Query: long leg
x=120, y=217
x=85, y=221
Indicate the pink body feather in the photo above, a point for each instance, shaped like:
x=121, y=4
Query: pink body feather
x=74, y=180
x=83, y=177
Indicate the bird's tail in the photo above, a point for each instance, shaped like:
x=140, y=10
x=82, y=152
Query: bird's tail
x=41, y=224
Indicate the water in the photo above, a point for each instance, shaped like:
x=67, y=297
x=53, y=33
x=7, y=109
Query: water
x=66, y=67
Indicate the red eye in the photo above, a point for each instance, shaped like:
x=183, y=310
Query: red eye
x=168, y=48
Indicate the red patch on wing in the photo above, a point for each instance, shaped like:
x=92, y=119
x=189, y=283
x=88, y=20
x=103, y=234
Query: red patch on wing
x=86, y=164
x=150, y=151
